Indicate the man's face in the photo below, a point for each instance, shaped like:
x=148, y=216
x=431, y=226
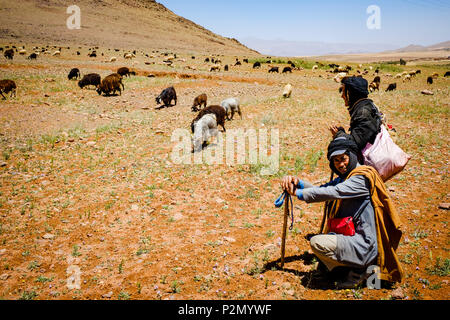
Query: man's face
x=344, y=96
x=341, y=162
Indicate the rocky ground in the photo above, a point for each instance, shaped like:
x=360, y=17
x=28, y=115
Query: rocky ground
x=92, y=205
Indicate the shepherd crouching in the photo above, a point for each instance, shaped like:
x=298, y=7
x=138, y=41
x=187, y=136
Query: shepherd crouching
x=204, y=128
x=359, y=198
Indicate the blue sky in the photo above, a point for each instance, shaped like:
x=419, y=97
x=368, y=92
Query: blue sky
x=403, y=22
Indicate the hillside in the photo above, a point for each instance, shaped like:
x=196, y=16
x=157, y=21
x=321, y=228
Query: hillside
x=140, y=24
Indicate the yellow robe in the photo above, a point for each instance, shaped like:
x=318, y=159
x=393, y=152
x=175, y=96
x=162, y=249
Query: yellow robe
x=388, y=224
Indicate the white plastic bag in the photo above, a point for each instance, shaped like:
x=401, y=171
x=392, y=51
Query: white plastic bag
x=385, y=156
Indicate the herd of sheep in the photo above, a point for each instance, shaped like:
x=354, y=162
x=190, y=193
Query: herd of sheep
x=204, y=125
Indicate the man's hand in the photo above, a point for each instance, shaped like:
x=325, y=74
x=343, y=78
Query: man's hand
x=289, y=184
x=333, y=129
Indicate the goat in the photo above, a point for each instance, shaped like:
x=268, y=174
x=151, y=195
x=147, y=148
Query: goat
x=166, y=96
x=430, y=80
x=214, y=68
x=74, y=73
x=199, y=101
x=218, y=111
x=9, y=54
x=110, y=84
x=203, y=129
x=93, y=79
x=7, y=86
x=124, y=71
x=447, y=74
x=257, y=64
x=273, y=69
x=391, y=87
x=287, y=69
x=32, y=56
x=231, y=105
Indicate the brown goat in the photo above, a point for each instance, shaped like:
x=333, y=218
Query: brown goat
x=7, y=86
x=217, y=110
x=199, y=101
x=110, y=84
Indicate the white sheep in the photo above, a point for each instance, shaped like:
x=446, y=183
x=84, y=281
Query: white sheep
x=339, y=76
x=22, y=51
x=287, y=90
x=204, y=128
x=231, y=105
x=112, y=59
x=315, y=67
x=56, y=53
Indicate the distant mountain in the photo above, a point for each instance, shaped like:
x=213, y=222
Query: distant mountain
x=287, y=48
x=110, y=23
x=416, y=48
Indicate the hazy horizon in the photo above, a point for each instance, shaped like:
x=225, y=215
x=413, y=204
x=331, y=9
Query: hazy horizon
x=400, y=23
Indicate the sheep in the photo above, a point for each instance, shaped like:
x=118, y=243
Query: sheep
x=257, y=64
x=315, y=67
x=203, y=129
x=93, y=79
x=22, y=52
x=218, y=111
x=207, y=60
x=214, y=68
x=112, y=59
x=391, y=87
x=110, y=83
x=231, y=105
x=435, y=75
x=273, y=69
x=199, y=101
x=287, y=91
x=9, y=54
x=407, y=78
x=238, y=63
x=287, y=69
x=7, y=86
x=166, y=96
x=56, y=53
x=74, y=73
x=32, y=56
x=245, y=60
x=129, y=55
x=402, y=62
x=92, y=54
x=430, y=80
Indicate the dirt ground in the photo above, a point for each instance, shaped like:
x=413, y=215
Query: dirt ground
x=93, y=207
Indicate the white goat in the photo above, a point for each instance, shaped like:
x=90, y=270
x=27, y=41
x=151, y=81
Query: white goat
x=231, y=105
x=204, y=128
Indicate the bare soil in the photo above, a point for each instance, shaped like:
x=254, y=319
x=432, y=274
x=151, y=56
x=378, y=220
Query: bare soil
x=88, y=188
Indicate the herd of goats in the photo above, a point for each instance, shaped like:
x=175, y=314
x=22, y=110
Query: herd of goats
x=204, y=125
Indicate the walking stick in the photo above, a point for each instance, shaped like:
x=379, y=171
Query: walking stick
x=278, y=203
x=283, y=239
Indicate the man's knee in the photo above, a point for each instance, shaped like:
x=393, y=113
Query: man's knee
x=324, y=243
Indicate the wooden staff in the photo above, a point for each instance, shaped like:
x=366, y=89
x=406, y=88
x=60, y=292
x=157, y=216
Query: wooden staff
x=283, y=239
